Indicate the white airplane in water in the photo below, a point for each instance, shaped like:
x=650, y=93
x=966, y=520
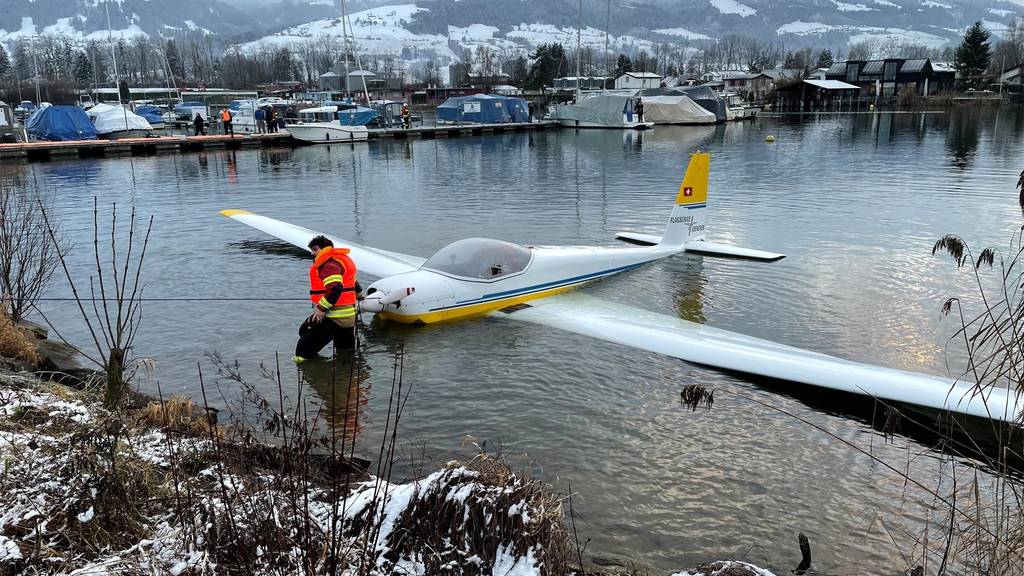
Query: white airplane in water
x=482, y=276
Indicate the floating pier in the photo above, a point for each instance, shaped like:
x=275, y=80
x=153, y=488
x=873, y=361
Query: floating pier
x=35, y=151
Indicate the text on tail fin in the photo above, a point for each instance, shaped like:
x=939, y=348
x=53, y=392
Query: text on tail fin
x=694, y=189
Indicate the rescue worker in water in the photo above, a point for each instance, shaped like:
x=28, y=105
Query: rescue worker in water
x=332, y=289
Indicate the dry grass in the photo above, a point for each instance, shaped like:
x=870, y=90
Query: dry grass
x=179, y=414
x=16, y=342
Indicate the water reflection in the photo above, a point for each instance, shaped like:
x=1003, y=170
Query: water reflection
x=342, y=387
x=963, y=136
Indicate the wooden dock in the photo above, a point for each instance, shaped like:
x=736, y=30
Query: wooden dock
x=35, y=151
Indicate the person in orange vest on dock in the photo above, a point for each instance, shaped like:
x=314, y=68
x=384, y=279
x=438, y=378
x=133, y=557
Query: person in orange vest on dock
x=332, y=289
x=225, y=118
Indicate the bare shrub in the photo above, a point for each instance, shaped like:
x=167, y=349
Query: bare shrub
x=27, y=251
x=114, y=299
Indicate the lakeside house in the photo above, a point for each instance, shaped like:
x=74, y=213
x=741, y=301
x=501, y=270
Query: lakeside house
x=570, y=83
x=888, y=79
x=638, y=81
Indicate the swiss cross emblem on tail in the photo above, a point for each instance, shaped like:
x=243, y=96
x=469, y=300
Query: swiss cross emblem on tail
x=688, y=191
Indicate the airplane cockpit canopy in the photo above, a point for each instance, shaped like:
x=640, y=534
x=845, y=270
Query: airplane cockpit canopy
x=480, y=259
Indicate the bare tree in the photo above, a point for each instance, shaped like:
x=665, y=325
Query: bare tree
x=27, y=252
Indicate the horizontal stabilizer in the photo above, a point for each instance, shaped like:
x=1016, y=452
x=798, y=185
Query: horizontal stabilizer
x=716, y=249
x=637, y=238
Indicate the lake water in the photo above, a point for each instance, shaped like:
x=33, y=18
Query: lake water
x=855, y=201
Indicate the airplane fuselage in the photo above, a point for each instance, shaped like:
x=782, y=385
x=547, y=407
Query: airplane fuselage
x=486, y=275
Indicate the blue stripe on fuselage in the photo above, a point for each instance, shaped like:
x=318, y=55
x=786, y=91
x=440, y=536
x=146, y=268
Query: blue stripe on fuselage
x=541, y=287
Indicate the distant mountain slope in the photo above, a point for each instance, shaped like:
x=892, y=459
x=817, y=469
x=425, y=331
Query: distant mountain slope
x=452, y=24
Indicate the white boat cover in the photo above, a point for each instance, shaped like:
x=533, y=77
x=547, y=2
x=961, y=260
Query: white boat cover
x=109, y=118
x=638, y=328
x=676, y=109
x=372, y=261
x=601, y=109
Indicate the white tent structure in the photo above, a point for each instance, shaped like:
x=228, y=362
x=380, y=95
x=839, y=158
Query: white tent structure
x=675, y=109
x=115, y=121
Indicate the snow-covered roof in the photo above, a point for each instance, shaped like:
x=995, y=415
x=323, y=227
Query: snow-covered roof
x=642, y=75
x=832, y=85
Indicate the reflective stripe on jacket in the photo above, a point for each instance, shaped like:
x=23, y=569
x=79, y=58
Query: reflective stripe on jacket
x=333, y=267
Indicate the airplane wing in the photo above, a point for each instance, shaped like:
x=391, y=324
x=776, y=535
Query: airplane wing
x=372, y=261
x=718, y=348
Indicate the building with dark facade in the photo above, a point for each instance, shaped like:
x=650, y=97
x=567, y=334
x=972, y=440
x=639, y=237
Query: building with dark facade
x=889, y=79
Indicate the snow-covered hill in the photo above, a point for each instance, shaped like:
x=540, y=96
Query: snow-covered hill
x=444, y=27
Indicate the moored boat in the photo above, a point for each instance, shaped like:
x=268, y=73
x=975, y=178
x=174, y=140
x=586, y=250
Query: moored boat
x=326, y=124
x=113, y=121
x=602, y=110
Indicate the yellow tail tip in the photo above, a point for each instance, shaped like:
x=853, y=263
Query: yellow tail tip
x=233, y=212
x=694, y=189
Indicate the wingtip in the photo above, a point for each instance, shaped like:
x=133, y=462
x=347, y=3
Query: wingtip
x=233, y=212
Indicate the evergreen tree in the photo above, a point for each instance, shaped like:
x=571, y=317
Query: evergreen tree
x=23, y=61
x=549, y=62
x=973, y=54
x=622, y=65
x=519, y=72
x=174, y=59
x=283, y=65
x=825, y=59
x=5, y=63
x=82, y=70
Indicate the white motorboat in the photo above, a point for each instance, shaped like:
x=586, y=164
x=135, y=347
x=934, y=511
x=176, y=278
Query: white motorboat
x=322, y=125
x=736, y=108
x=243, y=112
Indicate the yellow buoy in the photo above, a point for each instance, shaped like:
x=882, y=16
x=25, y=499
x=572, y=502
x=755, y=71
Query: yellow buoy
x=769, y=138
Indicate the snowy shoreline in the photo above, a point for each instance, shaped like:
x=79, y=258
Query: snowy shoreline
x=157, y=490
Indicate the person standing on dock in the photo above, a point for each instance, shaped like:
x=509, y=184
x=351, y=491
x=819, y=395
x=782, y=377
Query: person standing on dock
x=198, y=125
x=225, y=119
x=271, y=120
x=406, y=116
x=639, y=108
x=261, y=121
x=332, y=289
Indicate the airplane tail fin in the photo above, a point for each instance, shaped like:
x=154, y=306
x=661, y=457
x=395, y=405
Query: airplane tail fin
x=687, y=220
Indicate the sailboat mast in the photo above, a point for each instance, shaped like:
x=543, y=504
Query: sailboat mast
x=344, y=32
x=607, y=25
x=579, y=53
x=113, y=53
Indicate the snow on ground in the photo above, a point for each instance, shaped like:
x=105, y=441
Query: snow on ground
x=59, y=484
x=863, y=33
x=844, y=7
x=932, y=4
x=28, y=28
x=1001, y=13
x=733, y=7
x=898, y=35
x=64, y=27
x=472, y=33
x=534, y=34
x=378, y=30
x=683, y=33
x=887, y=3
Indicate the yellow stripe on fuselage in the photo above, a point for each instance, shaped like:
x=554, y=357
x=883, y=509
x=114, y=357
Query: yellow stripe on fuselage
x=470, y=310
